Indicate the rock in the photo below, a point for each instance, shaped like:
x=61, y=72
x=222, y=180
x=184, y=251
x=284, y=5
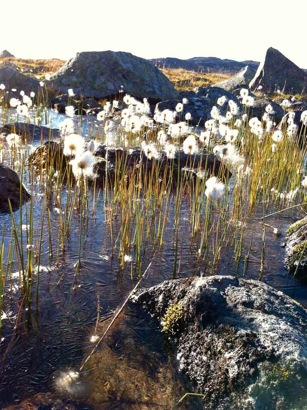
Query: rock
x=6, y=54
x=240, y=342
x=292, y=125
x=200, y=103
x=82, y=107
x=106, y=73
x=296, y=248
x=48, y=401
x=277, y=72
x=105, y=167
x=30, y=132
x=240, y=80
x=15, y=80
x=49, y=156
x=10, y=189
x=258, y=109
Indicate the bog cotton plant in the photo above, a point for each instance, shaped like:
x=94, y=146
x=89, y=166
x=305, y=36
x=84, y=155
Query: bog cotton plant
x=73, y=145
x=82, y=165
x=215, y=189
x=190, y=145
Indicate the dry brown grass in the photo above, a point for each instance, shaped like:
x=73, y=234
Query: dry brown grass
x=185, y=80
x=34, y=68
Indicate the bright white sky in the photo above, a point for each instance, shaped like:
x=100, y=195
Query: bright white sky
x=234, y=29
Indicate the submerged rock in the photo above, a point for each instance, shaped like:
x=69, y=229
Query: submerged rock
x=296, y=248
x=30, y=132
x=11, y=190
x=240, y=342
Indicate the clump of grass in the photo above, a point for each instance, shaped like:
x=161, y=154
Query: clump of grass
x=171, y=318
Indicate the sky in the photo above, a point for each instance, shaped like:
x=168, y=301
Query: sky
x=233, y=29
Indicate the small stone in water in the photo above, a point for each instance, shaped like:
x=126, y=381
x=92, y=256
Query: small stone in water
x=70, y=382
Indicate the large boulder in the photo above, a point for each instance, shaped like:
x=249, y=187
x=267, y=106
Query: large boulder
x=238, y=81
x=241, y=343
x=11, y=190
x=104, y=73
x=15, y=80
x=277, y=72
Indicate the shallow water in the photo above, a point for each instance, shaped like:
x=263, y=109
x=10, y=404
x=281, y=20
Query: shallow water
x=133, y=366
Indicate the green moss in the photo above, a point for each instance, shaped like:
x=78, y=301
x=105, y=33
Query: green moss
x=299, y=253
x=171, y=318
x=294, y=227
x=279, y=373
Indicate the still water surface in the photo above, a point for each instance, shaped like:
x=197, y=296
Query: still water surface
x=133, y=367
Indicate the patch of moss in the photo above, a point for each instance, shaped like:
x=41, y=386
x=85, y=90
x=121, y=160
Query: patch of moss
x=294, y=227
x=299, y=254
x=171, y=318
x=279, y=373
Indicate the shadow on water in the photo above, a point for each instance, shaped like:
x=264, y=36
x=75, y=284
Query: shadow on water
x=133, y=367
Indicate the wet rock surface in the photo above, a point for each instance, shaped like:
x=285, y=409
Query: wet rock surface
x=48, y=401
x=50, y=156
x=107, y=158
x=30, y=132
x=11, y=190
x=240, y=342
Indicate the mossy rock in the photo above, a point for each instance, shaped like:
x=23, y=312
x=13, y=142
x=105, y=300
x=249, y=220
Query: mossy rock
x=296, y=248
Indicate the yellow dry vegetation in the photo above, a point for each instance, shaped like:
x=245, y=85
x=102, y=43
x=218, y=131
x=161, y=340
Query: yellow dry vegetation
x=34, y=68
x=186, y=80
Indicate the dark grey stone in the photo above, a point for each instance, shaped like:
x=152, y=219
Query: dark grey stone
x=6, y=54
x=11, y=190
x=14, y=79
x=200, y=103
x=258, y=109
x=296, y=248
x=104, y=73
x=240, y=342
x=30, y=132
x=277, y=72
